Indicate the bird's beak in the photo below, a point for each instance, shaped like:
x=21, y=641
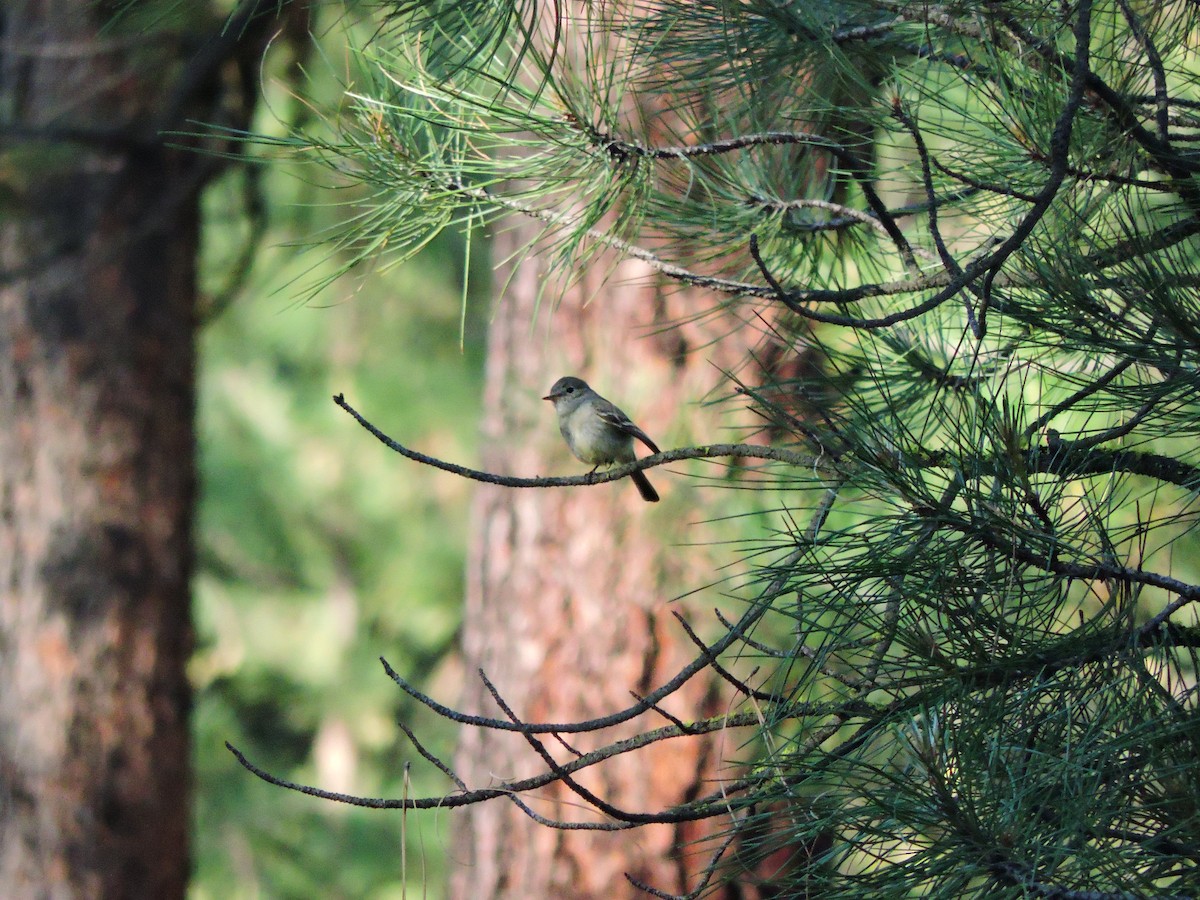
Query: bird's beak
x=550, y=397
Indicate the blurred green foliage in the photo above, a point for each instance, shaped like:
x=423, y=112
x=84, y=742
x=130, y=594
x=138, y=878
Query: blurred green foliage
x=319, y=550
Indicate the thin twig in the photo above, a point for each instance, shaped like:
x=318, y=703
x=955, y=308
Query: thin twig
x=719, y=669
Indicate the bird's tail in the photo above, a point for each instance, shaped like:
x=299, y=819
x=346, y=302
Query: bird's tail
x=645, y=488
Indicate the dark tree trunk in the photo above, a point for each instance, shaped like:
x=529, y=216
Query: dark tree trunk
x=98, y=239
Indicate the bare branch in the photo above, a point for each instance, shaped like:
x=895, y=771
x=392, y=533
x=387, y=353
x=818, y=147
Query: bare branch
x=624, y=149
x=711, y=451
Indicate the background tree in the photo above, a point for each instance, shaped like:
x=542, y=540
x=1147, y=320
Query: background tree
x=98, y=243
x=973, y=612
x=293, y=578
x=568, y=594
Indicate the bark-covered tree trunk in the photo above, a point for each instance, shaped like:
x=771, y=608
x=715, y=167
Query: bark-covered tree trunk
x=570, y=591
x=98, y=238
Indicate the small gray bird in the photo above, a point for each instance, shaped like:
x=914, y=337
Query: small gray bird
x=597, y=431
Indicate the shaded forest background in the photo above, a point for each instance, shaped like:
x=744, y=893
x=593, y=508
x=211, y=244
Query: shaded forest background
x=319, y=551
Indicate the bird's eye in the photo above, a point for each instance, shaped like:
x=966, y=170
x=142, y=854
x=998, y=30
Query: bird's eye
x=570, y=390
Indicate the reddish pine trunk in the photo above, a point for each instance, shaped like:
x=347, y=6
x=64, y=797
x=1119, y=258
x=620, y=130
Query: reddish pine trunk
x=97, y=291
x=569, y=596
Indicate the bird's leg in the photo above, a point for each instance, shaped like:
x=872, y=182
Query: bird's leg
x=591, y=474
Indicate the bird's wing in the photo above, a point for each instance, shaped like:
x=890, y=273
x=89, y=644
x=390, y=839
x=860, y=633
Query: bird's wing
x=613, y=416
